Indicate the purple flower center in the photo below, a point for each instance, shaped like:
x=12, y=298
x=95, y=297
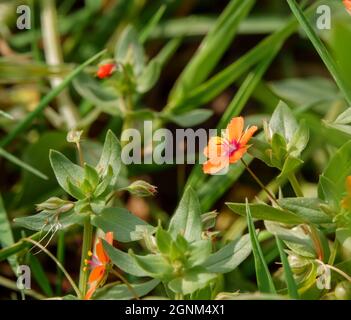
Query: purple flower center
x=233, y=147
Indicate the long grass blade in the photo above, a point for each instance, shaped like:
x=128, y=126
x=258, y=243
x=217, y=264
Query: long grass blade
x=321, y=49
x=289, y=278
x=264, y=279
x=20, y=163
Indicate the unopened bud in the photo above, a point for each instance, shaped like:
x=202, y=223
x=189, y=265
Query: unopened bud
x=55, y=204
x=142, y=188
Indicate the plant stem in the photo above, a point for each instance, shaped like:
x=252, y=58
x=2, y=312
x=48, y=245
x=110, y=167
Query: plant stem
x=78, y=293
x=87, y=244
x=295, y=185
x=270, y=195
x=179, y=296
x=4, y=282
x=125, y=281
x=60, y=257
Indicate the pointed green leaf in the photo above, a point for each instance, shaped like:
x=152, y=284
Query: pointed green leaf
x=187, y=220
x=264, y=279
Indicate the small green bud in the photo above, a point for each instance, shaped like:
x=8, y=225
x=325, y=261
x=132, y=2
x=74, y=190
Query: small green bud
x=343, y=290
x=55, y=204
x=141, y=188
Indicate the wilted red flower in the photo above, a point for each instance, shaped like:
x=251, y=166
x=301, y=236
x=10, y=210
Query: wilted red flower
x=106, y=70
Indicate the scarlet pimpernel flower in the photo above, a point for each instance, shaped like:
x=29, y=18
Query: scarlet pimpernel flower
x=229, y=148
x=347, y=4
x=98, y=264
x=106, y=70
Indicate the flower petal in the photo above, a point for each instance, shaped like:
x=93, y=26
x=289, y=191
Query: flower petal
x=237, y=155
x=216, y=147
x=90, y=292
x=96, y=274
x=100, y=252
x=247, y=135
x=235, y=129
x=213, y=166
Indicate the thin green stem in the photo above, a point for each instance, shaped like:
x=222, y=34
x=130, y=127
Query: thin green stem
x=4, y=282
x=87, y=244
x=270, y=195
x=125, y=281
x=60, y=257
x=75, y=288
x=295, y=185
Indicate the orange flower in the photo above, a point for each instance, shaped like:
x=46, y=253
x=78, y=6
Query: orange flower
x=98, y=265
x=347, y=4
x=106, y=70
x=229, y=148
x=346, y=202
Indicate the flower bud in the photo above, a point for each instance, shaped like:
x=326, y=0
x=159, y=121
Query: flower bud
x=73, y=136
x=55, y=204
x=142, y=188
x=106, y=70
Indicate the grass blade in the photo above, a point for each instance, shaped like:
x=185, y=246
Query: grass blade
x=215, y=85
x=145, y=33
x=321, y=49
x=289, y=278
x=40, y=276
x=212, y=47
x=46, y=100
x=21, y=164
x=6, y=236
x=264, y=279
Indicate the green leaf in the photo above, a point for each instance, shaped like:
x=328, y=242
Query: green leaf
x=230, y=256
x=111, y=156
x=187, y=218
x=289, y=278
x=130, y=51
x=191, y=118
x=283, y=122
x=64, y=169
x=21, y=164
x=194, y=279
x=305, y=91
x=155, y=265
x=322, y=50
x=149, y=76
x=306, y=208
x=336, y=172
x=295, y=238
x=264, y=279
x=122, y=292
x=123, y=260
x=212, y=47
x=125, y=226
x=149, y=27
x=40, y=276
x=46, y=221
x=290, y=166
x=6, y=235
x=266, y=212
x=199, y=251
x=94, y=92
x=163, y=240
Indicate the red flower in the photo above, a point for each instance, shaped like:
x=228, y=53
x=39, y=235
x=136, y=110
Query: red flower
x=106, y=70
x=230, y=148
x=98, y=265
